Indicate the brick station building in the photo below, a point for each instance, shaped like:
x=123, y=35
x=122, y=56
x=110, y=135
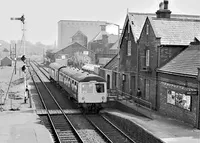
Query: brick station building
x=178, y=86
x=148, y=44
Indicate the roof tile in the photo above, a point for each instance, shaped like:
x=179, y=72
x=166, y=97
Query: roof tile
x=175, y=31
x=185, y=63
x=137, y=20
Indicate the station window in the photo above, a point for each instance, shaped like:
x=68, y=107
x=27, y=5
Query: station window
x=129, y=48
x=147, y=29
x=147, y=57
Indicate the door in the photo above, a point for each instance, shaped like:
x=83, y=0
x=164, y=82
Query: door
x=133, y=85
x=108, y=81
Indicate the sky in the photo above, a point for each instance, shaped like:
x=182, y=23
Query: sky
x=42, y=16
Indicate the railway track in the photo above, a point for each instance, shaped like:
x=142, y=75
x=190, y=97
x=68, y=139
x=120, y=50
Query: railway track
x=105, y=126
x=80, y=128
x=42, y=69
x=60, y=95
x=59, y=125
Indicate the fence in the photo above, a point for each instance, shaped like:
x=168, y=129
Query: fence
x=118, y=95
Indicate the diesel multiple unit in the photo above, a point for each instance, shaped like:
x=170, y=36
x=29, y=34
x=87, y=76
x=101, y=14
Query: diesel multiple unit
x=88, y=90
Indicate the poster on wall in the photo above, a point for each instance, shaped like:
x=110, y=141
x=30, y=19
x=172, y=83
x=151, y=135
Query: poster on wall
x=183, y=101
x=171, y=97
x=178, y=99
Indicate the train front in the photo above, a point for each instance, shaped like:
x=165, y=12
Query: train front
x=93, y=94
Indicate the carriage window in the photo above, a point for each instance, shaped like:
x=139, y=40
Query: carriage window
x=68, y=81
x=72, y=85
x=100, y=88
x=87, y=88
x=75, y=86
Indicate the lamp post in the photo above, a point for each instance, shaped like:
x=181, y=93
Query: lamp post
x=22, y=19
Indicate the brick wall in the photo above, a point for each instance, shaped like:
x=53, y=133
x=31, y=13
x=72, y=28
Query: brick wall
x=168, y=53
x=148, y=41
x=70, y=50
x=173, y=110
x=159, y=55
x=127, y=64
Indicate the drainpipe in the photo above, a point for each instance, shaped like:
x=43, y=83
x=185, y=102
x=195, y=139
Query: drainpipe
x=158, y=64
x=137, y=65
x=198, y=102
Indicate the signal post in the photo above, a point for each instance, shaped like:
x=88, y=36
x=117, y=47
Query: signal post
x=23, y=58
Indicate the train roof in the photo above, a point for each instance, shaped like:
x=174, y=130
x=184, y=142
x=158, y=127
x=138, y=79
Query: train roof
x=56, y=66
x=77, y=74
x=81, y=75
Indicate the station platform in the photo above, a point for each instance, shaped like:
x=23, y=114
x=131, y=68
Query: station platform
x=163, y=128
x=22, y=126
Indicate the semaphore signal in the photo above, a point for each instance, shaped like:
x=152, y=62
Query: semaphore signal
x=23, y=58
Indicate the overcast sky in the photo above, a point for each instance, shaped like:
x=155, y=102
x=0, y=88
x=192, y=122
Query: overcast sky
x=42, y=15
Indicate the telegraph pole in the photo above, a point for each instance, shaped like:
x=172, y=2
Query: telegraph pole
x=15, y=59
x=10, y=52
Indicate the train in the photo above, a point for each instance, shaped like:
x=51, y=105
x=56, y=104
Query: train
x=88, y=90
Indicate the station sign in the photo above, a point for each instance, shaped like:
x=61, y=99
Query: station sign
x=191, y=93
x=11, y=95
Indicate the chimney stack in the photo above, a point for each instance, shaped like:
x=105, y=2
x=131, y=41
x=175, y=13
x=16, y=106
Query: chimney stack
x=103, y=27
x=163, y=11
x=105, y=39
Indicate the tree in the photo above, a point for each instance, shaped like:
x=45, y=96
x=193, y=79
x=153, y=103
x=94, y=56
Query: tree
x=80, y=59
x=49, y=55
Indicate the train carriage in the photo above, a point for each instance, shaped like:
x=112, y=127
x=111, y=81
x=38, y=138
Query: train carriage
x=54, y=71
x=88, y=90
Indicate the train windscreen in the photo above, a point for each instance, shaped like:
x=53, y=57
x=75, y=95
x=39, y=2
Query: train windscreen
x=87, y=88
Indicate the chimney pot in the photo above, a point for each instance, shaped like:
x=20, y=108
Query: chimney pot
x=166, y=4
x=163, y=11
x=161, y=6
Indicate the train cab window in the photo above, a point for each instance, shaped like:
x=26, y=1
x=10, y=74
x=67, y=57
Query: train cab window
x=100, y=87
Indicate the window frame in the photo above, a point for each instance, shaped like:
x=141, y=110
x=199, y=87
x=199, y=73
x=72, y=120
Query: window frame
x=129, y=44
x=147, y=58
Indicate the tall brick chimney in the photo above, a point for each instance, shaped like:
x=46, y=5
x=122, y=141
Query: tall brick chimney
x=104, y=34
x=105, y=39
x=163, y=11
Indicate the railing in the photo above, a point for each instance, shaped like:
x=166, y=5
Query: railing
x=118, y=95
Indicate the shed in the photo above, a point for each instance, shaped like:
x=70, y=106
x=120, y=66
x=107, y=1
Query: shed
x=6, y=61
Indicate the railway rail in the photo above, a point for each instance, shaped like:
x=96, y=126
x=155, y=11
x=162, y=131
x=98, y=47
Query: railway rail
x=86, y=127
